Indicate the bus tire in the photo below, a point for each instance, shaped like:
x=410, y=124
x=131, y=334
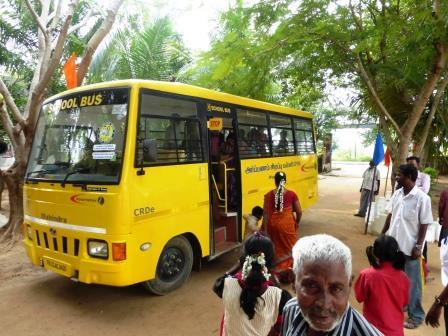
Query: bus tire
x=173, y=268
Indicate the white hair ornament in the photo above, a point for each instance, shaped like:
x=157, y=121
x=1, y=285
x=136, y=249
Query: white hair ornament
x=279, y=196
x=260, y=260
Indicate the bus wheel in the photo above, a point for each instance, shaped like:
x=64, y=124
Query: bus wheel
x=174, y=267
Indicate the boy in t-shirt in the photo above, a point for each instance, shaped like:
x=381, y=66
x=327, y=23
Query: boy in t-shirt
x=253, y=223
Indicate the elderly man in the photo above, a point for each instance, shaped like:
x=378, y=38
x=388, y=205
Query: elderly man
x=409, y=215
x=323, y=271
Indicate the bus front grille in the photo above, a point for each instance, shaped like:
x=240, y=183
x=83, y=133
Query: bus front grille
x=58, y=244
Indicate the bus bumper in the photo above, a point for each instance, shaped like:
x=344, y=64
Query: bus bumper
x=84, y=269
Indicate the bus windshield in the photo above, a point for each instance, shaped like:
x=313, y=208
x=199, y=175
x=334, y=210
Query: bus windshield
x=80, y=138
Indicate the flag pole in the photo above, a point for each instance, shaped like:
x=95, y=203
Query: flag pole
x=387, y=178
x=378, y=156
x=370, y=200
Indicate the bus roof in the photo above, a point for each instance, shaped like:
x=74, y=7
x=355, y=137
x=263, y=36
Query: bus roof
x=187, y=90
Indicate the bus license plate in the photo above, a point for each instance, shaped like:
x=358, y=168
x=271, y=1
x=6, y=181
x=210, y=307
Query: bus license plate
x=57, y=266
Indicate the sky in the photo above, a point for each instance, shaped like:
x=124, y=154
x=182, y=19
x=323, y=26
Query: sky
x=195, y=20
x=198, y=21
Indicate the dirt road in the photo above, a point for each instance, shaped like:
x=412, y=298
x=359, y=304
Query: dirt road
x=35, y=302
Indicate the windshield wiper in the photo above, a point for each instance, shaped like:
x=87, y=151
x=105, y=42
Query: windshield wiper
x=45, y=171
x=75, y=171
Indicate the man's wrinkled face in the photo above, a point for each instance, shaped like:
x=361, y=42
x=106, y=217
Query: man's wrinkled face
x=322, y=291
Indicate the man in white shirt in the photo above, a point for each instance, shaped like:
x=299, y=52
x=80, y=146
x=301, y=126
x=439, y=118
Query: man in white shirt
x=409, y=215
x=423, y=180
x=366, y=187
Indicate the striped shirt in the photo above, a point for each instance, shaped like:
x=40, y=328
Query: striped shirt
x=352, y=323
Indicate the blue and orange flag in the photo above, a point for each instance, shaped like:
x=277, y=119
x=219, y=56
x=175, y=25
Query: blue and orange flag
x=71, y=77
x=378, y=152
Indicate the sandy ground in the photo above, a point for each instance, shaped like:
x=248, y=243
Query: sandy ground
x=36, y=302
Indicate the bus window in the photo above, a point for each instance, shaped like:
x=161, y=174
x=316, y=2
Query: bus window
x=164, y=120
x=85, y=141
x=304, y=136
x=281, y=132
x=253, y=140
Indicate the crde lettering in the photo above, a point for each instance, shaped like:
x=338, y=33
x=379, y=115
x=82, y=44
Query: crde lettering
x=144, y=211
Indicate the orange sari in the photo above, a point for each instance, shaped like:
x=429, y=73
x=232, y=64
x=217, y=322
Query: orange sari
x=282, y=229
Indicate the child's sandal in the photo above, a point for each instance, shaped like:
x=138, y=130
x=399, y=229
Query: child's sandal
x=409, y=324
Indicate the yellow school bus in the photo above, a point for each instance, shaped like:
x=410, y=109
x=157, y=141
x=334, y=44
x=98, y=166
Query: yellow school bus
x=140, y=181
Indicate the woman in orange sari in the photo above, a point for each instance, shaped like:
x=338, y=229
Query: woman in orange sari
x=281, y=218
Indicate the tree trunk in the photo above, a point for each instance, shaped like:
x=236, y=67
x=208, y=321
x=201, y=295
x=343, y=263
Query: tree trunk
x=403, y=149
x=13, y=178
x=399, y=158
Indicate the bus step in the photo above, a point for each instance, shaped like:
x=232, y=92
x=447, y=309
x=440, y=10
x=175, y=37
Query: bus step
x=229, y=214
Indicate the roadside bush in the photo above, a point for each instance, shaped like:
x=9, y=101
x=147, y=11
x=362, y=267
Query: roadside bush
x=434, y=173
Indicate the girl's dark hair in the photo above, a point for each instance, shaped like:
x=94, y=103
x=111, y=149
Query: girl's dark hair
x=278, y=177
x=385, y=248
x=258, y=243
x=252, y=289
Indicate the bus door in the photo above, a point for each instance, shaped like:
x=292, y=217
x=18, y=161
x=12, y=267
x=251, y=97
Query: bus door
x=225, y=183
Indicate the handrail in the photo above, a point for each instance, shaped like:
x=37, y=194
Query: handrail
x=216, y=187
x=225, y=183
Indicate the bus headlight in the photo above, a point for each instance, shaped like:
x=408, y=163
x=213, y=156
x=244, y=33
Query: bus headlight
x=29, y=232
x=97, y=248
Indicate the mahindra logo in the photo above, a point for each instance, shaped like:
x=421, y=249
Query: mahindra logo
x=53, y=231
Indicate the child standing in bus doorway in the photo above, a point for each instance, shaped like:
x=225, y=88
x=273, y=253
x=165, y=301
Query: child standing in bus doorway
x=252, y=220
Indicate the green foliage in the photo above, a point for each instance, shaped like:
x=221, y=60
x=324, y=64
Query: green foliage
x=286, y=52
x=19, y=54
x=325, y=120
x=432, y=172
x=239, y=61
x=347, y=155
x=151, y=51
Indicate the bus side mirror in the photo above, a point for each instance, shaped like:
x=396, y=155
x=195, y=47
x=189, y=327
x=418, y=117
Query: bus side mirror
x=3, y=147
x=149, y=150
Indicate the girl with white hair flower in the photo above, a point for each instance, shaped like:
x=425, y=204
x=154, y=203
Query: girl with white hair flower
x=252, y=305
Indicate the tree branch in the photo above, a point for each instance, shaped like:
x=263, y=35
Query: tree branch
x=43, y=55
x=436, y=8
x=6, y=121
x=387, y=133
x=39, y=91
x=11, y=104
x=379, y=103
x=358, y=23
x=432, y=112
x=36, y=18
x=82, y=23
x=427, y=89
x=99, y=35
x=55, y=17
